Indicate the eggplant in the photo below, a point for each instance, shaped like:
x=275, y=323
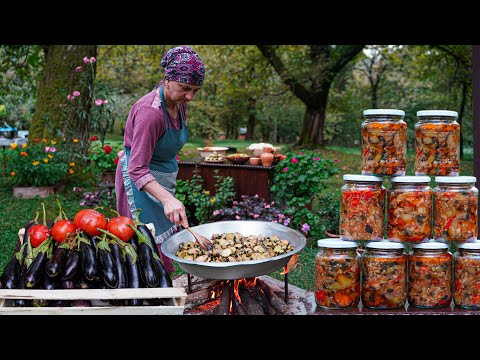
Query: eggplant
x=88, y=260
x=56, y=264
x=147, y=268
x=121, y=270
x=11, y=273
x=71, y=265
x=59, y=303
x=107, y=269
x=36, y=270
x=164, y=278
x=21, y=285
x=69, y=283
x=49, y=283
x=133, y=275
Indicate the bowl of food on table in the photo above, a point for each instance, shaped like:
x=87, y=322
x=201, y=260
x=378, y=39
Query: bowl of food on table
x=215, y=158
x=238, y=158
x=208, y=151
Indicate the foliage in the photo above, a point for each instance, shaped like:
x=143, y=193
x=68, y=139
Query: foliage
x=199, y=202
x=251, y=207
x=104, y=198
x=101, y=158
x=40, y=163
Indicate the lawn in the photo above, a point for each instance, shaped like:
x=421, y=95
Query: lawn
x=15, y=213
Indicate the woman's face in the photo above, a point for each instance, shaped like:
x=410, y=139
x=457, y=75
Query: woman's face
x=181, y=93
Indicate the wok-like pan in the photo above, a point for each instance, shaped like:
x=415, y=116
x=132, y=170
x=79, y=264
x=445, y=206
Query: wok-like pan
x=239, y=269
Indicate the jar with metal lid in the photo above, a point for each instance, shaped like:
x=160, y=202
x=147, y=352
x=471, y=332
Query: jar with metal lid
x=362, y=208
x=384, y=275
x=430, y=275
x=337, y=274
x=409, y=209
x=437, y=143
x=384, y=142
x=455, y=208
x=466, y=276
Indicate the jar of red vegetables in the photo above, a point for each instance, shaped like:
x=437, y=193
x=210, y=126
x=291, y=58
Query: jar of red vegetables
x=455, y=207
x=384, y=275
x=362, y=208
x=466, y=275
x=337, y=274
x=430, y=275
x=437, y=143
x=409, y=209
x=384, y=147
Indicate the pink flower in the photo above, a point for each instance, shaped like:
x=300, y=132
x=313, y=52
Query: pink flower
x=76, y=93
x=78, y=69
x=47, y=149
x=285, y=169
x=316, y=158
x=85, y=60
x=301, y=153
x=216, y=212
x=82, y=204
x=234, y=202
x=267, y=206
x=105, y=101
x=305, y=228
x=286, y=222
x=280, y=217
x=70, y=97
x=256, y=216
x=52, y=149
x=176, y=157
x=98, y=102
x=237, y=217
x=294, y=160
x=336, y=160
x=92, y=60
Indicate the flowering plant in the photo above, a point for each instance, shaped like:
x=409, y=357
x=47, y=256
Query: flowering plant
x=102, y=158
x=40, y=163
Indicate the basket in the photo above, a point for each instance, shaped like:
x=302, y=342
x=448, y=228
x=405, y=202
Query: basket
x=237, y=159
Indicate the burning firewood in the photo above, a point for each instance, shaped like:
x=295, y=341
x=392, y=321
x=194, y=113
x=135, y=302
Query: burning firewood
x=237, y=307
x=251, y=305
x=277, y=302
x=198, y=298
x=224, y=306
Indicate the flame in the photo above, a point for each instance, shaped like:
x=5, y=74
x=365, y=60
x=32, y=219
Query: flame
x=292, y=264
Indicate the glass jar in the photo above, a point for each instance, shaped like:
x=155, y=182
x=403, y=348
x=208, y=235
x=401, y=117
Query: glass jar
x=384, y=142
x=430, y=275
x=337, y=274
x=384, y=275
x=455, y=208
x=362, y=208
x=409, y=209
x=466, y=275
x=437, y=143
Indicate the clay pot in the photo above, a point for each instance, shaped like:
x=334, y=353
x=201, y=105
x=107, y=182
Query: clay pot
x=254, y=161
x=267, y=157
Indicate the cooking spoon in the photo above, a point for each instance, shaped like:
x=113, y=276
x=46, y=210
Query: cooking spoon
x=201, y=240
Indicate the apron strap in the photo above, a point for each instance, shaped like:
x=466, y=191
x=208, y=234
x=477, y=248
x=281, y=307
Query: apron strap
x=164, y=108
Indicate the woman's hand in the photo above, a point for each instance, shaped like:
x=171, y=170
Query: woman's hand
x=175, y=211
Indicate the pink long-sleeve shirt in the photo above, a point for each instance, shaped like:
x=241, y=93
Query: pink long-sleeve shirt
x=144, y=127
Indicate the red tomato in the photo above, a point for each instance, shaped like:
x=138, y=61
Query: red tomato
x=61, y=229
x=118, y=227
x=38, y=234
x=89, y=220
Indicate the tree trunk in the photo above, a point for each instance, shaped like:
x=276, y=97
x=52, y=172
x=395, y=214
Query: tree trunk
x=251, y=119
x=314, y=123
x=57, y=81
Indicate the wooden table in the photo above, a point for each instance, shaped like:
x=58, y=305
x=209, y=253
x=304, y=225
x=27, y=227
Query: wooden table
x=249, y=179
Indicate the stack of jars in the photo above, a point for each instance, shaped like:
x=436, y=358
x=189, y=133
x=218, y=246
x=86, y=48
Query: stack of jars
x=410, y=211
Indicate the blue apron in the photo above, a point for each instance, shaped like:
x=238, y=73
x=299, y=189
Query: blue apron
x=164, y=168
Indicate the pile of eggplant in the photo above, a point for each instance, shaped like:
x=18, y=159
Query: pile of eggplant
x=86, y=257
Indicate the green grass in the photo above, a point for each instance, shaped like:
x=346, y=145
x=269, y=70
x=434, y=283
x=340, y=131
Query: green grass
x=15, y=213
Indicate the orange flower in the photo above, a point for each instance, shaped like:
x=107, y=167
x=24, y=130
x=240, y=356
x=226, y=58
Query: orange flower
x=24, y=146
x=12, y=173
x=23, y=153
x=35, y=163
x=13, y=146
x=72, y=164
x=44, y=140
x=75, y=140
x=71, y=171
x=50, y=156
x=45, y=160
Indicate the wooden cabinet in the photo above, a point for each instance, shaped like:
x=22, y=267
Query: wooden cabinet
x=249, y=179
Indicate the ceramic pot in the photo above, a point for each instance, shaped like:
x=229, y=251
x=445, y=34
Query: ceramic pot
x=267, y=157
x=254, y=161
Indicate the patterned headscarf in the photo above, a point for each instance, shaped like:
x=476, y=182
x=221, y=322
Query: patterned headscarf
x=182, y=64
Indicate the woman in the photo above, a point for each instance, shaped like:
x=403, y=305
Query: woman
x=155, y=132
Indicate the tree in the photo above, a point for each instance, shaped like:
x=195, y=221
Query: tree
x=309, y=72
x=57, y=81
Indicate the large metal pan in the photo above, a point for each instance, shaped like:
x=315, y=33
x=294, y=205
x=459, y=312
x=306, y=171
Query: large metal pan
x=240, y=269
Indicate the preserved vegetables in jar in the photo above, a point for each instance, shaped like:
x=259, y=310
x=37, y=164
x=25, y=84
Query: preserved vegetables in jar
x=410, y=209
x=430, y=275
x=362, y=208
x=437, y=143
x=384, y=275
x=384, y=142
x=337, y=274
x=466, y=274
x=455, y=208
